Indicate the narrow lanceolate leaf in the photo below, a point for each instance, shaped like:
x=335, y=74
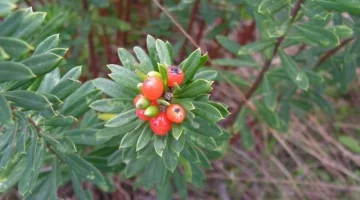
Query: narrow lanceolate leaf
x=144, y=58
x=77, y=186
x=58, y=121
x=131, y=138
x=85, y=136
x=29, y=24
x=269, y=93
x=64, y=88
x=42, y=63
x=205, y=128
x=170, y=158
x=14, y=47
x=342, y=31
x=255, y=47
x=206, y=74
x=12, y=71
x=5, y=110
x=63, y=145
x=112, y=132
x=164, y=77
x=190, y=65
x=177, y=130
x=122, y=119
x=113, y=89
x=6, y=7
x=247, y=138
x=228, y=44
x=234, y=62
x=272, y=6
x=297, y=76
x=194, y=89
x=319, y=35
x=201, y=140
x=150, y=43
x=12, y=21
x=83, y=168
x=48, y=44
x=114, y=105
x=126, y=78
x=160, y=144
x=163, y=53
x=144, y=138
x=222, y=108
x=73, y=74
x=177, y=145
x=207, y=111
x=13, y=176
x=27, y=99
x=127, y=59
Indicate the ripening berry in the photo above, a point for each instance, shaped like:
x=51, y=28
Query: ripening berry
x=175, y=75
x=141, y=102
x=136, y=99
x=152, y=111
x=141, y=115
x=175, y=113
x=152, y=88
x=160, y=124
x=154, y=74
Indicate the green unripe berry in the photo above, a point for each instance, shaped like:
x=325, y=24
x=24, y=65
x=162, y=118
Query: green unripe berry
x=154, y=74
x=151, y=111
x=143, y=103
x=138, y=86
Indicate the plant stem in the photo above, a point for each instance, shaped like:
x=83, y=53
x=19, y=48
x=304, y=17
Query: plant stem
x=330, y=53
x=266, y=66
x=194, y=11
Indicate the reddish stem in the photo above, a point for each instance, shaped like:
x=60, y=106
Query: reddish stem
x=330, y=53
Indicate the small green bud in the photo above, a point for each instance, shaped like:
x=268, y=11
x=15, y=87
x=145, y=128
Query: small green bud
x=151, y=111
x=143, y=103
x=154, y=74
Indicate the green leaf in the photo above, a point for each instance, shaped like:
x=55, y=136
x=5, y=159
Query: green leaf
x=194, y=89
x=201, y=140
x=297, y=76
x=150, y=42
x=319, y=35
x=351, y=7
x=234, y=62
x=207, y=111
x=222, y=108
x=111, y=132
x=29, y=24
x=113, y=89
x=5, y=110
x=203, y=159
x=122, y=119
x=170, y=158
x=42, y=63
x=11, y=71
x=13, y=177
x=64, y=145
x=247, y=138
x=177, y=144
x=85, y=136
x=163, y=72
x=73, y=74
x=58, y=121
x=12, y=21
x=350, y=143
x=132, y=137
x=269, y=93
x=79, y=191
x=14, y=47
x=205, y=128
x=342, y=31
x=6, y=7
x=272, y=6
x=27, y=99
x=114, y=105
x=126, y=78
x=83, y=168
x=271, y=118
x=255, y=47
x=48, y=44
x=160, y=144
x=144, y=58
x=180, y=184
x=206, y=74
x=177, y=130
x=144, y=138
x=190, y=65
x=35, y=155
x=228, y=44
x=64, y=88
x=115, y=158
x=127, y=59
x=134, y=167
x=163, y=53
x=188, y=105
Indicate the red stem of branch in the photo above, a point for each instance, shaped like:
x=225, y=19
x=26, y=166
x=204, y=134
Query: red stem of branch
x=328, y=54
x=266, y=66
x=194, y=11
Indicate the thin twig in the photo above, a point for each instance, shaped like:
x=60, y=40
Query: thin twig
x=330, y=53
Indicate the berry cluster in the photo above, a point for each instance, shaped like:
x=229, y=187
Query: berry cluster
x=160, y=116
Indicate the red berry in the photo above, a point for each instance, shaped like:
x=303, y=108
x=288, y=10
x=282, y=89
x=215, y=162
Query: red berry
x=160, y=124
x=175, y=113
x=141, y=115
x=152, y=88
x=175, y=75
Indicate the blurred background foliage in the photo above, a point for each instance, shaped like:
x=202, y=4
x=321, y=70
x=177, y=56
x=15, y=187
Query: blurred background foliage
x=316, y=156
